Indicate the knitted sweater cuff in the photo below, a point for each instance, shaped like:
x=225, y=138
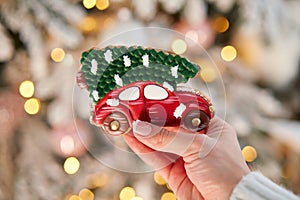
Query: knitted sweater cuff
x=256, y=186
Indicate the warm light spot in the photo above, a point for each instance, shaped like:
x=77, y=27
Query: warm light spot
x=26, y=89
x=71, y=165
x=97, y=180
x=57, y=54
x=102, y=4
x=179, y=46
x=86, y=194
x=127, y=193
x=88, y=24
x=168, y=186
x=67, y=145
x=193, y=35
x=32, y=106
x=88, y=4
x=228, y=53
x=108, y=22
x=159, y=179
x=75, y=197
x=208, y=74
x=136, y=198
x=168, y=196
x=220, y=24
x=249, y=153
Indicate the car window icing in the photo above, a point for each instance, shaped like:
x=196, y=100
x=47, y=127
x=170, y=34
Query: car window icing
x=130, y=94
x=155, y=92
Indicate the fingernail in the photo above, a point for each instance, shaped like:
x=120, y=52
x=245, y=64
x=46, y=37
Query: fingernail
x=141, y=128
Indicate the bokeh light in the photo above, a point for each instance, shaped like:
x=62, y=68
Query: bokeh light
x=220, y=24
x=88, y=4
x=136, y=198
x=86, y=194
x=75, y=197
x=97, y=180
x=57, y=54
x=102, y=4
x=159, y=179
x=208, y=74
x=32, y=106
x=193, y=35
x=71, y=165
x=249, y=153
x=67, y=145
x=88, y=24
x=228, y=53
x=179, y=46
x=127, y=193
x=26, y=89
x=168, y=196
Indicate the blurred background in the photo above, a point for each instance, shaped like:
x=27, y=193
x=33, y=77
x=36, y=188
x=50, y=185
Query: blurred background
x=249, y=57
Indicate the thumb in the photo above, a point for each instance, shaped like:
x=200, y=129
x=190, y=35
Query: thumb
x=160, y=139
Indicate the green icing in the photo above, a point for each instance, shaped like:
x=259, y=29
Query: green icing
x=158, y=70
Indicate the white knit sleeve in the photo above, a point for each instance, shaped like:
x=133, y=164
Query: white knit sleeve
x=258, y=187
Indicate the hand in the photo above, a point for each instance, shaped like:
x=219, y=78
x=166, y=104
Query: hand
x=196, y=166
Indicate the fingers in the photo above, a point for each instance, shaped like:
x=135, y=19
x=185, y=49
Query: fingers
x=156, y=159
x=182, y=143
x=216, y=129
x=160, y=139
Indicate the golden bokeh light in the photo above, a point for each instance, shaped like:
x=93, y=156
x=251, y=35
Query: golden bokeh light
x=228, y=53
x=86, y=194
x=26, y=89
x=168, y=196
x=127, y=193
x=168, y=186
x=97, y=180
x=249, y=153
x=88, y=4
x=71, y=165
x=220, y=24
x=102, y=4
x=136, y=198
x=159, y=179
x=179, y=46
x=74, y=197
x=57, y=54
x=208, y=74
x=32, y=106
x=88, y=24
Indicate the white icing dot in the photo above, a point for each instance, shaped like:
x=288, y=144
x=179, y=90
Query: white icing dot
x=145, y=60
x=167, y=85
x=174, y=71
x=95, y=95
x=112, y=102
x=94, y=66
x=179, y=110
x=127, y=61
x=118, y=80
x=108, y=56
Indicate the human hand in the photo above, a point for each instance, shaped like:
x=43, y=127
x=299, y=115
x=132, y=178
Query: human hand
x=196, y=166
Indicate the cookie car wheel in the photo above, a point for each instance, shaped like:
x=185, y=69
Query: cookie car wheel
x=196, y=120
x=116, y=123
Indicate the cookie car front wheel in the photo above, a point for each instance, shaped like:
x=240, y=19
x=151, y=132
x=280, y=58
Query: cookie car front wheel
x=196, y=120
x=116, y=123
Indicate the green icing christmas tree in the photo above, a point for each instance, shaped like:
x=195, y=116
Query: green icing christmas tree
x=116, y=66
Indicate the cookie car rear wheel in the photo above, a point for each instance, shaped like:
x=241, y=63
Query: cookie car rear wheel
x=196, y=120
x=116, y=123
